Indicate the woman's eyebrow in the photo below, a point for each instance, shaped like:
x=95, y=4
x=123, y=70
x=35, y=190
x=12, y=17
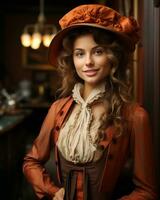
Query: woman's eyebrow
x=81, y=48
x=76, y=49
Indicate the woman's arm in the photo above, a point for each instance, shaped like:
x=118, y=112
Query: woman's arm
x=33, y=166
x=142, y=150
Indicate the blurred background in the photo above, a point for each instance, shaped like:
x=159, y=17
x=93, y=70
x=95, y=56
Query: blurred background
x=28, y=84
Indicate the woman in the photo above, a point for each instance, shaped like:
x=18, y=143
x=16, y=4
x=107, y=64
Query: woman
x=97, y=131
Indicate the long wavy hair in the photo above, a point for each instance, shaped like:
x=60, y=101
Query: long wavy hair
x=118, y=84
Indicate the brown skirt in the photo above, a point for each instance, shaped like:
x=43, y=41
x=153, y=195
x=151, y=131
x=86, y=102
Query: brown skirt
x=82, y=181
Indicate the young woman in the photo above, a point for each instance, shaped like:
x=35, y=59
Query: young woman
x=97, y=131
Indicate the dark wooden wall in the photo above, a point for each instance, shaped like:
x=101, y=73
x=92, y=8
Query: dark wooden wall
x=151, y=40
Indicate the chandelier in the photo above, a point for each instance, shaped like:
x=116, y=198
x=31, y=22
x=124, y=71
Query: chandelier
x=35, y=34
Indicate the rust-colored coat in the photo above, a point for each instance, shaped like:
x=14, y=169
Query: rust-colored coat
x=136, y=140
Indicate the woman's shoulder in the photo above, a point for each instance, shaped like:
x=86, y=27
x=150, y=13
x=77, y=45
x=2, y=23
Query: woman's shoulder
x=61, y=102
x=135, y=110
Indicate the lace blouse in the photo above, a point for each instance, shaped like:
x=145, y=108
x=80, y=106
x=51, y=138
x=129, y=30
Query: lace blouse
x=78, y=137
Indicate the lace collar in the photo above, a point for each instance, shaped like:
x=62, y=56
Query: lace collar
x=97, y=93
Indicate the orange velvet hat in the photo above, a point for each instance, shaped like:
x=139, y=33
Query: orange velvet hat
x=95, y=15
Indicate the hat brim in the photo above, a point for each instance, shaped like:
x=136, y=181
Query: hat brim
x=56, y=43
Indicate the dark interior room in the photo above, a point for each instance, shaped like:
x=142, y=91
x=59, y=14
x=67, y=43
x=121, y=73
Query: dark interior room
x=29, y=84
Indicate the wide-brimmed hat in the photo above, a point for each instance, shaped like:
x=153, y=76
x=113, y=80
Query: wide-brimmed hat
x=95, y=15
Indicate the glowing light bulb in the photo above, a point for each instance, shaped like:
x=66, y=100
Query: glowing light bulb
x=26, y=39
x=36, y=40
x=47, y=38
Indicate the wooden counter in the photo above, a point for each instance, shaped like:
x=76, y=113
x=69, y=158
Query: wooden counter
x=13, y=136
x=9, y=122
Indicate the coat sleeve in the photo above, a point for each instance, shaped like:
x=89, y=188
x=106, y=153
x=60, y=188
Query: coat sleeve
x=33, y=166
x=142, y=152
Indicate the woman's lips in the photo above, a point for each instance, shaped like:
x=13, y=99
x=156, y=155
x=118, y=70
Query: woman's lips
x=91, y=72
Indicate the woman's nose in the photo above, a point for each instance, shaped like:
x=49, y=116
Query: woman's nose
x=89, y=60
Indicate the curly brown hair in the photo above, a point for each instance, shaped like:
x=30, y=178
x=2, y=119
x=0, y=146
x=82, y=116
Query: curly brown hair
x=117, y=83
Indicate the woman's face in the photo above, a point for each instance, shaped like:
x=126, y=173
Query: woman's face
x=90, y=59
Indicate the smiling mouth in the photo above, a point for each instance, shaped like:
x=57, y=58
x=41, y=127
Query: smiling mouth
x=91, y=72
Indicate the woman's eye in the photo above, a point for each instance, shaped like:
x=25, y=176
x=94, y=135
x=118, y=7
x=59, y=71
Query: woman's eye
x=99, y=51
x=78, y=54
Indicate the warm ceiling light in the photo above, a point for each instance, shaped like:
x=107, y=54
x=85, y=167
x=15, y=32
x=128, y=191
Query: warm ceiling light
x=26, y=39
x=34, y=34
x=47, y=38
x=36, y=40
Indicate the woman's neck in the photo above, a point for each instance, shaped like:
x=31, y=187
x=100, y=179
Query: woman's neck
x=87, y=89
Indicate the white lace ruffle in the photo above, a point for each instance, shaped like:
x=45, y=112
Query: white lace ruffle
x=76, y=141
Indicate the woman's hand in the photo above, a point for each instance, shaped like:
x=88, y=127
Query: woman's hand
x=59, y=195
